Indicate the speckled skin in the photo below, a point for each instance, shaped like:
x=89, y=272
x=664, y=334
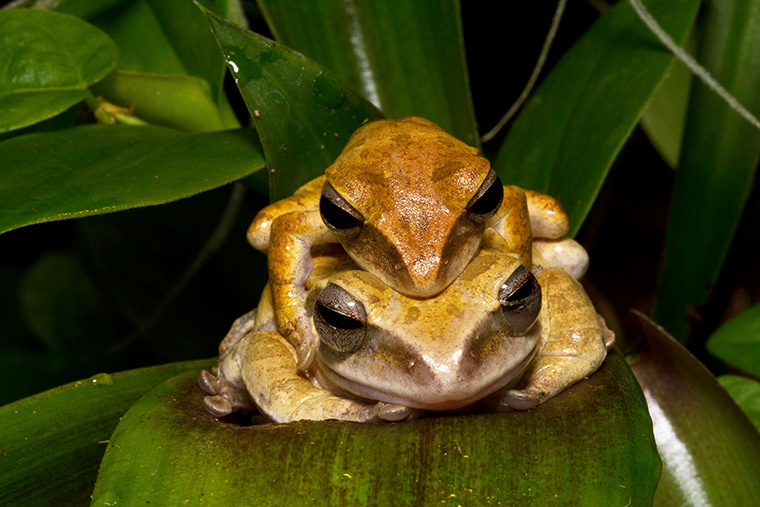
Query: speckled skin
x=438, y=353
x=412, y=182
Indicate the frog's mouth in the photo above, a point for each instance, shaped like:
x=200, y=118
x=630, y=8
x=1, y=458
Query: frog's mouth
x=426, y=397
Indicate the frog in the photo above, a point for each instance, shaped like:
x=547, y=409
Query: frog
x=409, y=203
x=502, y=335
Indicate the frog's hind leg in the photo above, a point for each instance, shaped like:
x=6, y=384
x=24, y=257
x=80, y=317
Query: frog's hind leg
x=269, y=368
x=576, y=342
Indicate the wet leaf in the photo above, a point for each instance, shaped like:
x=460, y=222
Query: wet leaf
x=51, y=443
x=718, y=161
x=592, y=445
x=709, y=448
x=49, y=59
x=572, y=128
x=406, y=57
x=303, y=113
x=94, y=169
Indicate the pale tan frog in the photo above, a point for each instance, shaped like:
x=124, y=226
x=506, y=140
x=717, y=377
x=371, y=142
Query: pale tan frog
x=410, y=204
x=497, y=332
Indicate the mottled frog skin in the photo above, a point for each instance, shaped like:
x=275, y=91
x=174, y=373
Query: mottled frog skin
x=499, y=333
x=410, y=204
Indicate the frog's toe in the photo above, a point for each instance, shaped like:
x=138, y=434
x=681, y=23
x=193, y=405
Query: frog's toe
x=520, y=400
x=217, y=406
x=393, y=412
x=208, y=382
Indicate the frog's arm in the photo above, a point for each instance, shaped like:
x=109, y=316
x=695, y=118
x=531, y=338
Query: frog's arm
x=576, y=342
x=550, y=224
x=513, y=223
x=268, y=368
x=306, y=198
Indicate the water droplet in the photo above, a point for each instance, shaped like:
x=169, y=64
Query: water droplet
x=102, y=379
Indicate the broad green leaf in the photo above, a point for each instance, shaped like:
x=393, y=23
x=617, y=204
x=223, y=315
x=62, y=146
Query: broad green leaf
x=303, y=114
x=665, y=116
x=181, y=102
x=188, y=32
x=51, y=443
x=592, y=445
x=710, y=451
x=574, y=125
x=47, y=62
x=719, y=156
x=746, y=394
x=406, y=57
x=143, y=45
x=737, y=342
x=95, y=169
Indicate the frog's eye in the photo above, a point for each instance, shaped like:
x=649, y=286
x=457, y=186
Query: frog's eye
x=340, y=319
x=487, y=199
x=337, y=213
x=520, y=298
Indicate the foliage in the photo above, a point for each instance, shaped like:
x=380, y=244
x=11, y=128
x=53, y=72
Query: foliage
x=162, y=283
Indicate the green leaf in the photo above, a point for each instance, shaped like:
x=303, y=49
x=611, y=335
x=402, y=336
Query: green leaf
x=746, y=394
x=710, y=451
x=574, y=125
x=592, y=445
x=95, y=169
x=406, y=57
x=181, y=102
x=48, y=61
x=737, y=342
x=51, y=443
x=143, y=45
x=187, y=31
x=303, y=114
x=718, y=161
x=665, y=117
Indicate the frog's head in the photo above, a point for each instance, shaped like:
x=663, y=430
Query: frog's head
x=409, y=203
x=437, y=353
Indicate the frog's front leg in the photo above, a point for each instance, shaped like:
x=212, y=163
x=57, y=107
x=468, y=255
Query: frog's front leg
x=267, y=364
x=290, y=262
x=575, y=342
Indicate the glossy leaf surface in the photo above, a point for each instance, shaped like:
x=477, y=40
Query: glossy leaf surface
x=406, y=57
x=94, y=169
x=719, y=157
x=737, y=342
x=303, y=113
x=571, y=129
x=592, y=445
x=52, y=442
x=710, y=450
x=48, y=60
x=175, y=101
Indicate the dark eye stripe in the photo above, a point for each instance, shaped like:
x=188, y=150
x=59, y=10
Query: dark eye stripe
x=336, y=212
x=487, y=199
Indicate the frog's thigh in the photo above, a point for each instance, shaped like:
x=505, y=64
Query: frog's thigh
x=563, y=253
x=268, y=365
x=547, y=216
x=305, y=198
x=575, y=346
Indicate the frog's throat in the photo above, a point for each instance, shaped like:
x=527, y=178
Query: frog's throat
x=341, y=385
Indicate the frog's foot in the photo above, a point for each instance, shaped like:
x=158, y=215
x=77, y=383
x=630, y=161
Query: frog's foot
x=225, y=398
x=394, y=412
x=563, y=253
x=240, y=327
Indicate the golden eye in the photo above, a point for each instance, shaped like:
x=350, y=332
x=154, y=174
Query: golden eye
x=337, y=213
x=486, y=201
x=340, y=319
x=520, y=299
